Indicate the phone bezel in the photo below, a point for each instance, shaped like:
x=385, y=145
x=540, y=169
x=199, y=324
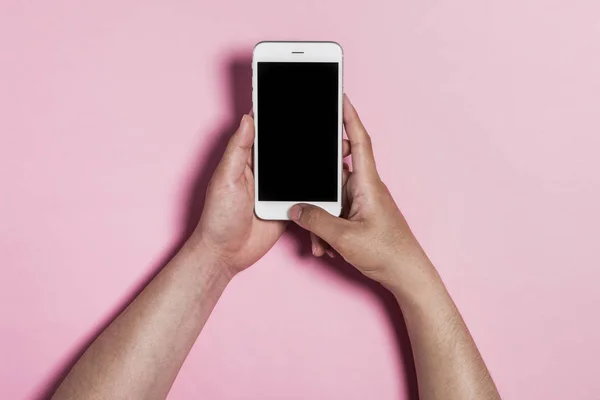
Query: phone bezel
x=295, y=52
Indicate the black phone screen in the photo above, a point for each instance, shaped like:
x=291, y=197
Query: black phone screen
x=297, y=131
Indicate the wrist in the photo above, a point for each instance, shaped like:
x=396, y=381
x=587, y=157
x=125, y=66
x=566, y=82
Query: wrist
x=412, y=281
x=210, y=264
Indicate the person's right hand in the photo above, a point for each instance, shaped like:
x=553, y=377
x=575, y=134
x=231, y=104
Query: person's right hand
x=372, y=234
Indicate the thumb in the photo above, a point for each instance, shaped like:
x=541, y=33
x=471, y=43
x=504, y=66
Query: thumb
x=237, y=152
x=319, y=222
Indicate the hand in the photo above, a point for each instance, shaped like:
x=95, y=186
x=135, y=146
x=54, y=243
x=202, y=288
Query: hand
x=228, y=227
x=373, y=235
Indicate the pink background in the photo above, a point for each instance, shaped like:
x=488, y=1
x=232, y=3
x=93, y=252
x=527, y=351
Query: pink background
x=485, y=118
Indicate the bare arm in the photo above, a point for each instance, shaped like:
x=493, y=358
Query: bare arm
x=447, y=361
x=140, y=353
x=375, y=238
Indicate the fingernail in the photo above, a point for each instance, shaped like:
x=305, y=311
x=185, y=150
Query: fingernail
x=314, y=249
x=295, y=212
x=330, y=253
x=244, y=117
x=347, y=98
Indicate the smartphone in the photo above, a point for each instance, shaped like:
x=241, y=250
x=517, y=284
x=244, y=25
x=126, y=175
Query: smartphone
x=297, y=99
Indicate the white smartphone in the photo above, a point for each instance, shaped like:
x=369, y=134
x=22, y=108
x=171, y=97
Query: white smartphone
x=297, y=96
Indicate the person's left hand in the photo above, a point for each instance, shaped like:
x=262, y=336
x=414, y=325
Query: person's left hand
x=228, y=226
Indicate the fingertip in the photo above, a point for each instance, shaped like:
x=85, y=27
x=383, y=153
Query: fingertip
x=318, y=246
x=295, y=212
x=347, y=98
x=349, y=109
x=246, y=131
x=318, y=251
x=314, y=243
x=248, y=119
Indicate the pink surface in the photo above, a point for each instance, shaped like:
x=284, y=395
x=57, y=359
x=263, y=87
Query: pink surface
x=485, y=118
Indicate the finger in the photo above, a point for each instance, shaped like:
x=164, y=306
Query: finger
x=363, y=159
x=345, y=201
x=319, y=221
x=318, y=246
x=237, y=152
x=345, y=174
x=345, y=148
x=250, y=161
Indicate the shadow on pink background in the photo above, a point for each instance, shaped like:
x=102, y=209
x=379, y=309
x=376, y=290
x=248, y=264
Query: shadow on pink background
x=240, y=89
x=484, y=118
x=239, y=71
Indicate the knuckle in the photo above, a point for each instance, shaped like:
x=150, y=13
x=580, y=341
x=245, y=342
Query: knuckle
x=379, y=187
x=383, y=188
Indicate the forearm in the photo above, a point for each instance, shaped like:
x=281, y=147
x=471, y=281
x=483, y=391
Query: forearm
x=141, y=351
x=447, y=361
